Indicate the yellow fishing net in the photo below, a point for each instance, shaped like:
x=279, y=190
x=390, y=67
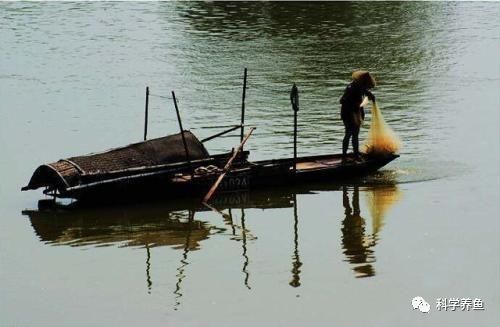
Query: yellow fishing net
x=381, y=139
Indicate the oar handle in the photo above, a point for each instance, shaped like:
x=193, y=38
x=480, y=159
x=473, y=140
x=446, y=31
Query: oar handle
x=227, y=167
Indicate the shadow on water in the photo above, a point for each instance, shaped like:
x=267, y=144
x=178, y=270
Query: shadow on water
x=357, y=241
x=357, y=247
x=145, y=225
x=175, y=225
x=296, y=263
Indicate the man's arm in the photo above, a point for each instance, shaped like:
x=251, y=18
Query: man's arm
x=370, y=96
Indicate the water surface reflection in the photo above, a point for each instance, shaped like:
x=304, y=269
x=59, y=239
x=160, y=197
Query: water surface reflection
x=138, y=226
x=182, y=227
x=357, y=242
x=435, y=62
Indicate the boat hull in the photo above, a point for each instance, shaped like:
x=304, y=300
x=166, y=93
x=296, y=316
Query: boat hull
x=245, y=176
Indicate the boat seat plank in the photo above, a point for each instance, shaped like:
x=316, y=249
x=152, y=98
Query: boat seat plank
x=318, y=164
x=310, y=165
x=331, y=162
x=181, y=179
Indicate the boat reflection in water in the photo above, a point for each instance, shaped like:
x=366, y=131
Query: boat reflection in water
x=146, y=226
x=177, y=225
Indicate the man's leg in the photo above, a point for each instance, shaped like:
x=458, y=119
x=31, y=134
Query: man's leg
x=355, y=141
x=345, y=142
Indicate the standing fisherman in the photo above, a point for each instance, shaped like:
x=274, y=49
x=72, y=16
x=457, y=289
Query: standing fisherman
x=352, y=113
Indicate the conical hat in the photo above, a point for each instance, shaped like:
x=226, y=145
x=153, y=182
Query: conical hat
x=365, y=78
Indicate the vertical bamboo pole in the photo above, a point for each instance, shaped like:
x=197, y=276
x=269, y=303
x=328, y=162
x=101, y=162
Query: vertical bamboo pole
x=180, y=126
x=295, y=141
x=146, y=114
x=243, y=105
x=294, y=98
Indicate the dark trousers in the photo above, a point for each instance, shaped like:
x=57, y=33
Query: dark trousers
x=351, y=130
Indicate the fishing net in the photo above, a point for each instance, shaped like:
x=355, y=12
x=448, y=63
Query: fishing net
x=381, y=139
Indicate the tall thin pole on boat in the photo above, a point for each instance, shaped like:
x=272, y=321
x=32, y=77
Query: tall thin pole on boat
x=243, y=105
x=146, y=114
x=294, y=99
x=180, y=126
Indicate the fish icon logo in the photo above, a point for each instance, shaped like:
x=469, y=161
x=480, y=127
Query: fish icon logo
x=419, y=303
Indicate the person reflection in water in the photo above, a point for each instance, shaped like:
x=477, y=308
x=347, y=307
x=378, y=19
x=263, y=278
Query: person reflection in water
x=351, y=111
x=354, y=242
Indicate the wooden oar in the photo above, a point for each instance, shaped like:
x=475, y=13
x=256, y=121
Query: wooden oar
x=227, y=168
x=214, y=209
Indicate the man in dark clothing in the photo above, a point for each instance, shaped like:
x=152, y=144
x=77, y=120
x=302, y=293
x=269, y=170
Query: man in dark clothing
x=352, y=113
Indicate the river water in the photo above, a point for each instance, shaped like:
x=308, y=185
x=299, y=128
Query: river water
x=72, y=81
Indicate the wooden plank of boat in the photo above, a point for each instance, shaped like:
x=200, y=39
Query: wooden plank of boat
x=280, y=172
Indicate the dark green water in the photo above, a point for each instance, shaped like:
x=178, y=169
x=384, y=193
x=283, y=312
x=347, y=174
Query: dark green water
x=72, y=79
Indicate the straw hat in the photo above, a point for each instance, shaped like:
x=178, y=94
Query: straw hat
x=365, y=78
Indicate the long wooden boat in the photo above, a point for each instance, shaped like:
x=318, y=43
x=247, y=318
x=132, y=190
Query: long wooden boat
x=158, y=168
x=179, y=165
